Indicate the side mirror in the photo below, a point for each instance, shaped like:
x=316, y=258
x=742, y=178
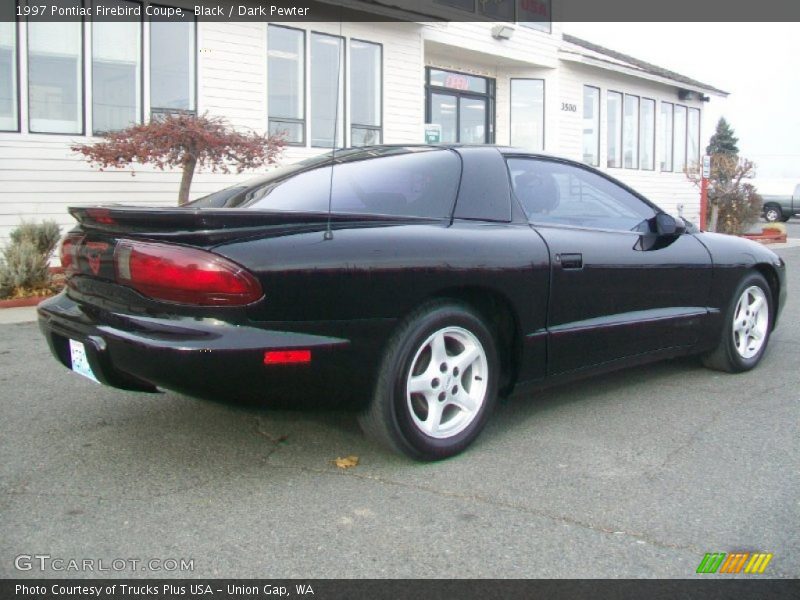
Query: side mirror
x=667, y=225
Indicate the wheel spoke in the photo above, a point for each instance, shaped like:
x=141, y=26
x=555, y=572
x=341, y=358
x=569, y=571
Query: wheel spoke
x=741, y=310
x=742, y=345
x=755, y=307
x=434, y=419
x=438, y=350
x=464, y=360
x=419, y=384
x=464, y=401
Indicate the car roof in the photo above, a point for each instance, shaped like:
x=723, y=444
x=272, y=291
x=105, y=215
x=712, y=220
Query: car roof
x=390, y=148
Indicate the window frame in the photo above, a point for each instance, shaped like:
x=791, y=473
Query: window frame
x=140, y=74
x=597, y=120
x=161, y=110
x=303, y=122
x=642, y=102
x=671, y=137
x=689, y=110
x=17, y=78
x=636, y=141
x=685, y=137
x=621, y=114
x=511, y=108
x=583, y=167
x=349, y=86
x=344, y=82
x=81, y=86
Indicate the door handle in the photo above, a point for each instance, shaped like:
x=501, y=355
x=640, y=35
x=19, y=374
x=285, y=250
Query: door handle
x=573, y=260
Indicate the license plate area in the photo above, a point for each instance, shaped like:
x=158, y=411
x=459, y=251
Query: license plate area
x=79, y=360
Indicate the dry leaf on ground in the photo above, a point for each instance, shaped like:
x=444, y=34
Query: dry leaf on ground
x=346, y=462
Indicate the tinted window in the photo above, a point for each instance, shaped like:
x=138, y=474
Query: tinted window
x=552, y=192
x=421, y=184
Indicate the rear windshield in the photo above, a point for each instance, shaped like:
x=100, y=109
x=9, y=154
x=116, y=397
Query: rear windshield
x=413, y=184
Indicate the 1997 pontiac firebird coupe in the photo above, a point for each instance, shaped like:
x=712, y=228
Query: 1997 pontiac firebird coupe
x=417, y=282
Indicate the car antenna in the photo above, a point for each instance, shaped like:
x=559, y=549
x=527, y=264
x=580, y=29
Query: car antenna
x=339, y=68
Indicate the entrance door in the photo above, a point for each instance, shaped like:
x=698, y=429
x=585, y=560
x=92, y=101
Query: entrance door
x=462, y=104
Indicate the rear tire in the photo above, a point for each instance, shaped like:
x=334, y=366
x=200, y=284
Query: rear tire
x=437, y=384
x=772, y=213
x=746, y=328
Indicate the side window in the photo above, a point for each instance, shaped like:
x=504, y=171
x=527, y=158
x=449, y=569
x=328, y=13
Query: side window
x=553, y=192
x=422, y=184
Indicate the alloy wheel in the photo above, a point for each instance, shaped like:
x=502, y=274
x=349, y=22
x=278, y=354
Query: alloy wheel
x=750, y=322
x=447, y=383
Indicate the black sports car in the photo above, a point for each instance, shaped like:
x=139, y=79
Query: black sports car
x=417, y=283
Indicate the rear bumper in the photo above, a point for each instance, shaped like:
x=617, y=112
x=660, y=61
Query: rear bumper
x=199, y=357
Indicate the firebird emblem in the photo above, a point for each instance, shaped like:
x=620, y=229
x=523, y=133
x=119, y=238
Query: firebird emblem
x=94, y=252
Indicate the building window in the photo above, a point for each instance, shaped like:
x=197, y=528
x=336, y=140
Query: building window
x=534, y=14
x=116, y=71
x=467, y=5
x=614, y=129
x=366, y=104
x=462, y=104
x=591, y=125
x=327, y=91
x=679, y=121
x=9, y=116
x=666, y=136
x=630, y=132
x=527, y=113
x=173, y=64
x=647, y=135
x=286, y=49
x=55, y=75
x=693, y=138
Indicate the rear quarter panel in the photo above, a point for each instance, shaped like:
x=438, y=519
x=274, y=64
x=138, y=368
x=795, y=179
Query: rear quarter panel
x=386, y=272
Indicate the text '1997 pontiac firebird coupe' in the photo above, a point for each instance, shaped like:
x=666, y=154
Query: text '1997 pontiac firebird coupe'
x=413, y=283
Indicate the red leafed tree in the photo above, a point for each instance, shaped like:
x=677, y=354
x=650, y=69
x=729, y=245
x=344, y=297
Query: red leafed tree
x=186, y=141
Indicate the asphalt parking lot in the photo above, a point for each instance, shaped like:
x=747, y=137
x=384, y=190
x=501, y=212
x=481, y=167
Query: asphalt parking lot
x=634, y=474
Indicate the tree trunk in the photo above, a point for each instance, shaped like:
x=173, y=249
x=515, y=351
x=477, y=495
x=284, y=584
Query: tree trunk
x=712, y=224
x=186, y=181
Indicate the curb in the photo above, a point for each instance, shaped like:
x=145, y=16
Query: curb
x=23, y=302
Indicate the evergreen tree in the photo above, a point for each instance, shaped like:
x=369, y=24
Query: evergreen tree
x=723, y=141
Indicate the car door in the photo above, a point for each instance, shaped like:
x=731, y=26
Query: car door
x=617, y=288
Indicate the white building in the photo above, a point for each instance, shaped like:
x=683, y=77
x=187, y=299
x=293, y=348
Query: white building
x=527, y=84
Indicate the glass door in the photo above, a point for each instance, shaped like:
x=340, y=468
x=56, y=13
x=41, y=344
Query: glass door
x=463, y=105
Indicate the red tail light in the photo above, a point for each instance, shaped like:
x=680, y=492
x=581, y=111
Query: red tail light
x=184, y=275
x=287, y=357
x=69, y=253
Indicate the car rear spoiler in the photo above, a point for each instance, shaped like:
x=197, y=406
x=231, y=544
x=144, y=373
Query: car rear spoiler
x=213, y=225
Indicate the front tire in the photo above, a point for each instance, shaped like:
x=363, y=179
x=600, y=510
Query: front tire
x=746, y=329
x=437, y=384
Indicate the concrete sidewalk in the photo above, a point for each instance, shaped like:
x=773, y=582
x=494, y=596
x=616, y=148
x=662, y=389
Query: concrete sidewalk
x=23, y=314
